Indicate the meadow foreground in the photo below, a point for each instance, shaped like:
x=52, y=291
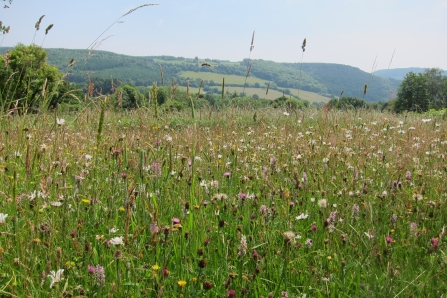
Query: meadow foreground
x=231, y=204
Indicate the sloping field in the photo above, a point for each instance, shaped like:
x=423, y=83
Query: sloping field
x=217, y=77
x=234, y=79
x=273, y=94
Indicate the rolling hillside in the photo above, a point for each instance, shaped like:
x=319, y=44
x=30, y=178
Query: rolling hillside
x=319, y=80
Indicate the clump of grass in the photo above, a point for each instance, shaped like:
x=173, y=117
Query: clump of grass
x=249, y=60
x=37, y=26
x=46, y=33
x=303, y=48
x=318, y=205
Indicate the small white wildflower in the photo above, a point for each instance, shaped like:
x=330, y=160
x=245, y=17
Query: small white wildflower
x=116, y=241
x=55, y=204
x=3, y=218
x=60, y=121
x=88, y=157
x=302, y=216
x=312, y=200
x=369, y=235
x=113, y=230
x=55, y=276
x=286, y=114
x=426, y=120
x=322, y=203
x=309, y=242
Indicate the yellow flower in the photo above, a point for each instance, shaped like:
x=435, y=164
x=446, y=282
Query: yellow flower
x=329, y=257
x=392, y=230
x=181, y=283
x=121, y=208
x=86, y=201
x=69, y=265
x=194, y=279
x=155, y=267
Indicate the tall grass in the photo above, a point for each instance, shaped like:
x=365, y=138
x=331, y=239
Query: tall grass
x=323, y=205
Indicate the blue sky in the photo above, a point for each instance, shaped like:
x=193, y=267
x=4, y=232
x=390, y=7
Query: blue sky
x=352, y=32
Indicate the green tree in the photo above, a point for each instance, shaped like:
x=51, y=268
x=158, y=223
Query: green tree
x=413, y=94
x=435, y=82
x=347, y=103
x=26, y=80
x=127, y=96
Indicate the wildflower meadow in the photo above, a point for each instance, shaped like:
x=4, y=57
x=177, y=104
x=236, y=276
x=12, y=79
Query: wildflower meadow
x=231, y=203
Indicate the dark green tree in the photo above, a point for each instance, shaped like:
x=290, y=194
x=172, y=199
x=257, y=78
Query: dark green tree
x=26, y=80
x=347, y=103
x=435, y=81
x=413, y=94
x=127, y=96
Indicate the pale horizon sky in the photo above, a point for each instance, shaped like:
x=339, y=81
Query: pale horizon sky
x=351, y=32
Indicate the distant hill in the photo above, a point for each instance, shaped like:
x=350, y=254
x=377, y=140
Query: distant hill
x=400, y=73
x=325, y=80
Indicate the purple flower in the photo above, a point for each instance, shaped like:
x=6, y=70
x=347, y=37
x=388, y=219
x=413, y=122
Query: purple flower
x=434, y=242
x=313, y=227
x=394, y=217
x=123, y=175
x=305, y=178
x=242, y=195
x=100, y=275
x=263, y=209
x=156, y=169
x=332, y=217
x=205, y=203
x=231, y=294
x=227, y=174
x=355, y=209
x=408, y=176
x=413, y=228
x=153, y=227
x=389, y=239
x=175, y=220
x=91, y=269
x=284, y=295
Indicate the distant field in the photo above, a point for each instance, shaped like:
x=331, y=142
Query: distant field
x=273, y=94
x=217, y=77
x=310, y=96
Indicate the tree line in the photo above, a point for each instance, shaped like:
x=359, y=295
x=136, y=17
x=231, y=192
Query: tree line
x=28, y=82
